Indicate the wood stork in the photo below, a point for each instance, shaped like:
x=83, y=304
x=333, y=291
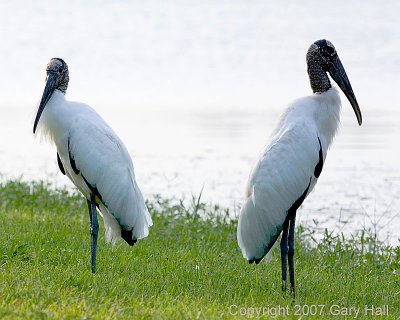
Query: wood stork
x=290, y=164
x=93, y=157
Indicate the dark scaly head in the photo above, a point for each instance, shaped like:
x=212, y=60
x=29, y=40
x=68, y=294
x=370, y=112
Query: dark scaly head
x=57, y=78
x=322, y=58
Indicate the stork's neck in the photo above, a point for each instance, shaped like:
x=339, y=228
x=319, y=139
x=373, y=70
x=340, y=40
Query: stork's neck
x=57, y=101
x=327, y=113
x=318, y=78
x=55, y=115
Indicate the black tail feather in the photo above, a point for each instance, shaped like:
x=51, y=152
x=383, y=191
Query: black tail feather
x=254, y=260
x=127, y=236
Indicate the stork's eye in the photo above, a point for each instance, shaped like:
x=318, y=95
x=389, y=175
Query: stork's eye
x=330, y=50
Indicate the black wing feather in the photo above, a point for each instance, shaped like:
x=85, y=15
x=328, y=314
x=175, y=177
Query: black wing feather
x=320, y=164
x=60, y=165
x=72, y=161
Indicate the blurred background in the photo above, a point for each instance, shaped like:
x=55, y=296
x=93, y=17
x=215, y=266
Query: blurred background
x=194, y=89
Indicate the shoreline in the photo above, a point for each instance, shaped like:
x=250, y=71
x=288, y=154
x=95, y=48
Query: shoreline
x=189, y=267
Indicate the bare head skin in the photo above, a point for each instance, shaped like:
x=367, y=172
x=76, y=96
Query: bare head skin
x=57, y=78
x=322, y=58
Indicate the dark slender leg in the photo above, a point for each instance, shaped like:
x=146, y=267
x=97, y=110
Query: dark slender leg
x=94, y=229
x=291, y=254
x=284, y=253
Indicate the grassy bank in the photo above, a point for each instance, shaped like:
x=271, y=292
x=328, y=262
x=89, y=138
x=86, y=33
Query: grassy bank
x=188, y=267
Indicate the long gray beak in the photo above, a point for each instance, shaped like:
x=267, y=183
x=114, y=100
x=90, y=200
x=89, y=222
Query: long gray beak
x=337, y=72
x=51, y=83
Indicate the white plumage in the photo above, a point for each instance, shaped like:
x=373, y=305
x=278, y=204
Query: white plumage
x=94, y=158
x=285, y=169
x=101, y=158
x=289, y=166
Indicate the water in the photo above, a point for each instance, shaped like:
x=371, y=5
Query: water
x=195, y=88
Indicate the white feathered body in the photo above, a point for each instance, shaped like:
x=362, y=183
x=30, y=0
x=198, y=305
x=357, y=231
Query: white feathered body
x=286, y=170
x=102, y=159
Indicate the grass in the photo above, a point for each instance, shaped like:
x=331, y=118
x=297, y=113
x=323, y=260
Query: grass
x=189, y=267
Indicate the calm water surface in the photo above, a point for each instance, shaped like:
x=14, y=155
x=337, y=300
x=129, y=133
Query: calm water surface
x=195, y=89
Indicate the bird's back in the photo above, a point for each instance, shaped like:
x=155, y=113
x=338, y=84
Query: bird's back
x=106, y=165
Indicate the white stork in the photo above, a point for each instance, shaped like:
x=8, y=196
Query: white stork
x=290, y=164
x=93, y=157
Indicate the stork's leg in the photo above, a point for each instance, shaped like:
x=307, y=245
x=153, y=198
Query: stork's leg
x=284, y=253
x=291, y=254
x=94, y=229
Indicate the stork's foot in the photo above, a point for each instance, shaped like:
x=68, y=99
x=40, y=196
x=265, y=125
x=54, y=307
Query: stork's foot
x=291, y=273
x=283, y=285
x=292, y=292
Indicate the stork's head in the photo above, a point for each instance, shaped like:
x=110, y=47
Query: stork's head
x=322, y=58
x=57, y=78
